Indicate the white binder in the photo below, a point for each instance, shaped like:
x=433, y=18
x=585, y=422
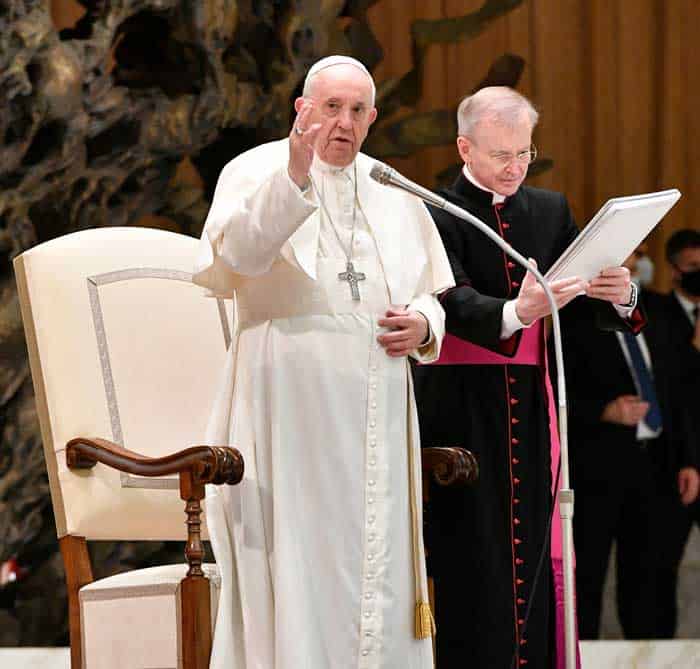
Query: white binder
x=612, y=234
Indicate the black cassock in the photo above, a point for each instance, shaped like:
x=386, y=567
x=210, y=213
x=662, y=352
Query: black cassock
x=484, y=542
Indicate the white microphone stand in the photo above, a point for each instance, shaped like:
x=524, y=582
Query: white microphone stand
x=390, y=177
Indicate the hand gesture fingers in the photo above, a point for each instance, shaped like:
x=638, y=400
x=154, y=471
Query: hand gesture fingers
x=407, y=330
x=301, y=145
x=529, y=281
x=564, y=294
x=302, y=120
x=612, y=285
x=393, y=337
x=688, y=485
x=564, y=285
x=532, y=302
x=633, y=409
x=625, y=410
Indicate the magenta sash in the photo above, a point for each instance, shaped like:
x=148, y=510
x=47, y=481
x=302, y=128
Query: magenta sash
x=532, y=351
x=456, y=351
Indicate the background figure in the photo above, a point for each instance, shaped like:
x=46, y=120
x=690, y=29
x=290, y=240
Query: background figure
x=677, y=481
x=622, y=426
x=488, y=392
x=334, y=278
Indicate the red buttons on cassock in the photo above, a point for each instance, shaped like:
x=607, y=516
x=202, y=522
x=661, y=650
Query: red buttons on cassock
x=517, y=542
x=514, y=441
x=511, y=264
x=519, y=561
x=519, y=581
x=515, y=284
x=516, y=521
x=511, y=379
x=515, y=421
x=516, y=480
x=516, y=461
x=516, y=501
x=506, y=226
x=520, y=601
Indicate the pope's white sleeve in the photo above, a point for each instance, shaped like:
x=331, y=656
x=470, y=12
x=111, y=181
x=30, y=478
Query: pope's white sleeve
x=249, y=222
x=436, y=278
x=430, y=307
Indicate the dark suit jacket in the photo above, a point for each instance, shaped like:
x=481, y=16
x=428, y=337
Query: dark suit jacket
x=671, y=333
x=597, y=373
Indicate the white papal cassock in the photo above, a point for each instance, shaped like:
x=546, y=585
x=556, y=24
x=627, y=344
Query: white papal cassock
x=315, y=545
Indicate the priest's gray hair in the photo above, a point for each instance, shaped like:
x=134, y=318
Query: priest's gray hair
x=332, y=61
x=498, y=102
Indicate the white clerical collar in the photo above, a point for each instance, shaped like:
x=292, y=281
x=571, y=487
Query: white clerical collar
x=325, y=168
x=497, y=197
x=688, y=306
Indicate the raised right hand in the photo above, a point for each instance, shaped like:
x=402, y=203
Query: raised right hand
x=625, y=410
x=301, y=146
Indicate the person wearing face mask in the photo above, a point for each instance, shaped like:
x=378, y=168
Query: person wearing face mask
x=626, y=433
x=675, y=316
x=335, y=280
x=645, y=271
x=643, y=274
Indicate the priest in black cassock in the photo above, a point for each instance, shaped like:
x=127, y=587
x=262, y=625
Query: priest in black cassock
x=490, y=392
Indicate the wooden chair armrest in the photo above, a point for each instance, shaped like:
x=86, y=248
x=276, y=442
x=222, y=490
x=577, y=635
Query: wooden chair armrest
x=208, y=464
x=195, y=467
x=450, y=465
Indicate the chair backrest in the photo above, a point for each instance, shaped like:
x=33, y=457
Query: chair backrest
x=122, y=345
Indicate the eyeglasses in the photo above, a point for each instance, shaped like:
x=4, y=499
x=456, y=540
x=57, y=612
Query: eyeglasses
x=505, y=157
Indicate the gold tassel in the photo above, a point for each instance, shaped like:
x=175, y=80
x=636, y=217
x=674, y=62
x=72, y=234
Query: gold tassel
x=425, y=623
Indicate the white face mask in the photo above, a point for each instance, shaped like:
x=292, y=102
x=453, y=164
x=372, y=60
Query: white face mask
x=644, y=271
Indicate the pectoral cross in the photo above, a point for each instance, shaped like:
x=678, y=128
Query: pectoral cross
x=353, y=278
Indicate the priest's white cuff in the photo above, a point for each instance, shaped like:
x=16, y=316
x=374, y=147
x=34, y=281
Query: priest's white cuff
x=510, y=323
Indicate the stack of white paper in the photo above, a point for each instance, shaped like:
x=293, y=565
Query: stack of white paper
x=612, y=234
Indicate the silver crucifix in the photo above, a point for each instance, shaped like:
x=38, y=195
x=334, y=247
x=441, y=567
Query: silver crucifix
x=353, y=278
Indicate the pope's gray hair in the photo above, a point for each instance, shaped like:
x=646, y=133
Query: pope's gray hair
x=498, y=102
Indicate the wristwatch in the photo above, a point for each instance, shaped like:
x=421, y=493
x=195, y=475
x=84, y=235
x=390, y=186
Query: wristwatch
x=633, y=297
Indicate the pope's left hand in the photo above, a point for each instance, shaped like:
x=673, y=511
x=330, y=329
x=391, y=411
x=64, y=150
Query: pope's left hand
x=612, y=285
x=408, y=330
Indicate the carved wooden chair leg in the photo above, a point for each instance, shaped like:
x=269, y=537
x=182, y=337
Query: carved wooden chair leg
x=194, y=588
x=447, y=466
x=76, y=561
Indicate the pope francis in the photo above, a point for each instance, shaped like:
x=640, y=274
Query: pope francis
x=334, y=279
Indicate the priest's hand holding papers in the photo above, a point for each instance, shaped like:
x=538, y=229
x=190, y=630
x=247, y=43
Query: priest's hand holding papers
x=612, y=234
x=592, y=262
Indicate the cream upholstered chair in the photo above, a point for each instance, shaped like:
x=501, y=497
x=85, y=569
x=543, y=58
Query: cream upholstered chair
x=125, y=355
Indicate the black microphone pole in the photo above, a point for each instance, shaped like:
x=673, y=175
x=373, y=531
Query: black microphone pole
x=390, y=177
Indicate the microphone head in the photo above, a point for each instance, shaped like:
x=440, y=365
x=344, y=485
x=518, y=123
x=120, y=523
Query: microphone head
x=381, y=173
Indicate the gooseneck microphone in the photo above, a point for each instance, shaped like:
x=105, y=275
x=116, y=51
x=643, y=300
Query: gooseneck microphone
x=390, y=177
